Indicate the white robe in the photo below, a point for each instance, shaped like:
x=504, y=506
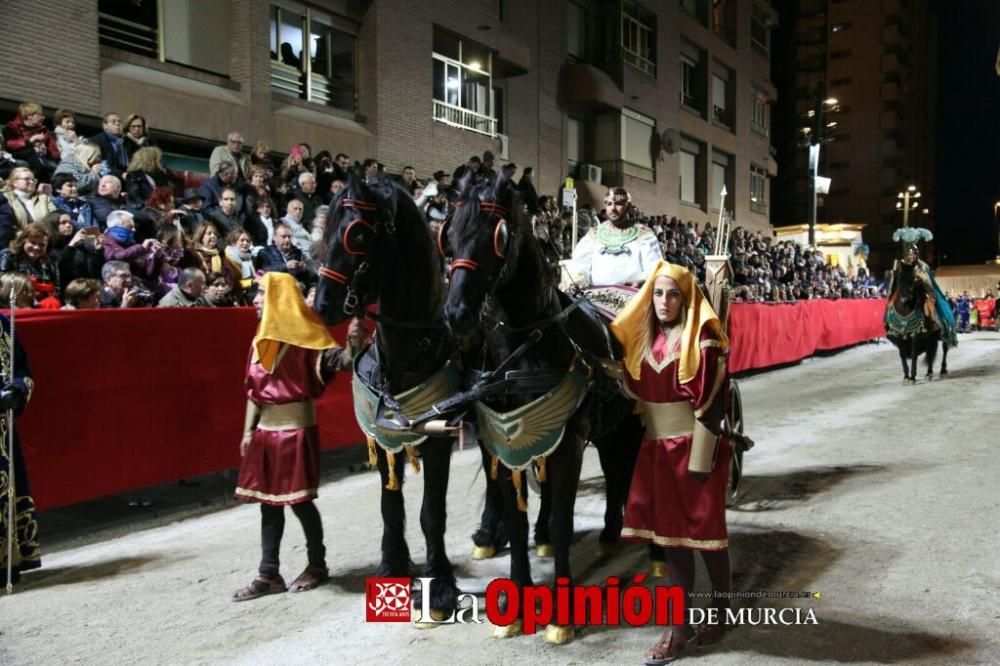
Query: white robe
x=592, y=265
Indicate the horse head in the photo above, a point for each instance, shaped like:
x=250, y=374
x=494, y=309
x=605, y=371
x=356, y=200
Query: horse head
x=480, y=239
x=909, y=288
x=362, y=216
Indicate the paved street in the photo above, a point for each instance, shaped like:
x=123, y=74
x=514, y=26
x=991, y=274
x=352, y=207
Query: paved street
x=882, y=497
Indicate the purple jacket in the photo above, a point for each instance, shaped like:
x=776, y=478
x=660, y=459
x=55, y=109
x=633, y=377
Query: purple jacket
x=145, y=264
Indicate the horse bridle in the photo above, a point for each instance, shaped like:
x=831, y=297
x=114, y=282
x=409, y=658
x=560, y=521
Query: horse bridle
x=501, y=239
x=355, y=229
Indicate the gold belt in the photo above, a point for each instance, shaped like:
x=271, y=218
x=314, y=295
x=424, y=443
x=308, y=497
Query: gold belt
x=668, y=419
x=289, y=416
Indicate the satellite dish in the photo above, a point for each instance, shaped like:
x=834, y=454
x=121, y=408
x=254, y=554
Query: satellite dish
x=671, y=141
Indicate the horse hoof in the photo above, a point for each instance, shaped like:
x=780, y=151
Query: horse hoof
x=607, y=549
x=515, y=628
x=558, y=634
x=437, y=617
x=658, y=569
x=545, y=550
x=483, y=552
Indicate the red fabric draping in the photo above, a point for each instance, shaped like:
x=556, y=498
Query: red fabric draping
x=766, y=335
x=131, y=398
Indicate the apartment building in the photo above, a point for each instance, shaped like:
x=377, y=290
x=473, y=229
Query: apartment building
x=670, y=98
x=878, y=60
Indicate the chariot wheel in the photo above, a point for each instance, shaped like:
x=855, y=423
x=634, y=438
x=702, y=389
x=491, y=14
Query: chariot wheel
x=734, y=419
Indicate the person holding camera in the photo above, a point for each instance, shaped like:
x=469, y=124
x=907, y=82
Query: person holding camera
x=145, y=259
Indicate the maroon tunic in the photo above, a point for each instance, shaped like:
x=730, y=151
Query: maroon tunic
x=666, y=504
x=282, y=466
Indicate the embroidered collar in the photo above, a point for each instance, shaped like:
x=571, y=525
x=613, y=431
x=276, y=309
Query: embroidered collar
x=614, y=239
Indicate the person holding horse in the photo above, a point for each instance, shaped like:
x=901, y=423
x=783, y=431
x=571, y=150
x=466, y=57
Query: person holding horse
x=675, y=365
x=619, y=250
x=293, y=358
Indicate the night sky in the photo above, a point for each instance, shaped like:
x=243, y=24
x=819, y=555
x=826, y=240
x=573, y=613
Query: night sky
x=968, y=141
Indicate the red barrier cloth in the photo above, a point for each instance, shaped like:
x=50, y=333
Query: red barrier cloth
x=131, y=398
x=766, y=335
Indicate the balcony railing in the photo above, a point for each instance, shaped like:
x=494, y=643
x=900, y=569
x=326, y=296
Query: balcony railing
x=639, y=62
x=128, y=36
x=758, y=207
x=457, y=116
x=288, y=80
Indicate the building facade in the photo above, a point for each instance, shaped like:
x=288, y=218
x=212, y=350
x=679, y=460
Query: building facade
x=670, y=98
x=878, y=60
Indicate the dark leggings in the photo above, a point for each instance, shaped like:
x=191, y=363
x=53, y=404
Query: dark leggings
x=680, y=564
x=272, y=527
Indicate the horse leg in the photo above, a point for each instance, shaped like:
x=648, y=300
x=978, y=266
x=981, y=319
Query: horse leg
x=433, y=519
x=617, y=452
x=944, y=359
x=913, y=360
x=491, y=537
x=564, y=476
x=932, y=345
x=520, y=567
x=395, y=553
x=543, y=542
x=903, y=359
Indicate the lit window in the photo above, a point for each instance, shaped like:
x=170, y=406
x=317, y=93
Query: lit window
x=462, y=84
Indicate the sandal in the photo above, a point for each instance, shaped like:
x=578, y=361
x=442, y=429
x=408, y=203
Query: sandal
x=670, y=647
x=311, y=578
x=259, y=587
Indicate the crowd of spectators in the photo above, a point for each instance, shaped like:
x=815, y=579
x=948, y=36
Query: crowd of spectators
x=100, y=221
x=765, y=270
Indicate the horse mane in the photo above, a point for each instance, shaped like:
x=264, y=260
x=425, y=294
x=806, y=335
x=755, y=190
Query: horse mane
x=522, y=248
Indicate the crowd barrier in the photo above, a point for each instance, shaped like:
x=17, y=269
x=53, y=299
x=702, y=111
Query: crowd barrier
x=131, y=398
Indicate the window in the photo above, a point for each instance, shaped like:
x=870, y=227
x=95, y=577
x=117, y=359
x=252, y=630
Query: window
x=690, y=155
x=574, y=143
x=185, y=32
x=312, y=56
x=462, y=84
x=688, y=162
x=637, y=130
x=499, y=109
x=639, y=38
x=759, y=115
x=722, y=175
x=759, y=34
x=576, y=31
x=688, y=68
x=720, y=96
x=724, y=20
x=758, y=189
x=696, y=8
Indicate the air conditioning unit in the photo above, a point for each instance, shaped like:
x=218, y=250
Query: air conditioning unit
x=504, y=146
x=590, y=172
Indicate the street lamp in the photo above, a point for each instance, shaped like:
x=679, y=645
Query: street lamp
x=996, y=208
x=814, y=133
x=910, y=193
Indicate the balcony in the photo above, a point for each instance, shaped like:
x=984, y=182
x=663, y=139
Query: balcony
x=456, y=116
x=128, y=36
x=589, y=86
x=288, y=80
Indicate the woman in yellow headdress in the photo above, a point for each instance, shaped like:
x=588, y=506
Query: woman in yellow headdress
x=293, y=358
x=675, y=364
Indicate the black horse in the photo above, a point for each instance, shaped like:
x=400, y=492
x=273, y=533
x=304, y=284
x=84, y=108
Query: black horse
x=378, y=250
x=909, y=327
x=501, y=291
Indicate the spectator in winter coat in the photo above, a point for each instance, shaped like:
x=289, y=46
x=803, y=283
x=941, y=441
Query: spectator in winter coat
x=83, y=162
x=26, y=129
x=112, y=144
